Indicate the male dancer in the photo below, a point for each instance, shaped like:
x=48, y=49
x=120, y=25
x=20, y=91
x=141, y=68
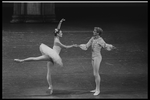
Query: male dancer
x=96, y=42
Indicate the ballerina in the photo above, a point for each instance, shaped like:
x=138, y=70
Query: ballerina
x=96, y=42
x=51, y=55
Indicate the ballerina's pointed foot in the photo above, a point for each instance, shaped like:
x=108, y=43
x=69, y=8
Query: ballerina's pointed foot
x=50, y=90
x=93, y=91
x=18, y=60
x=97, y=93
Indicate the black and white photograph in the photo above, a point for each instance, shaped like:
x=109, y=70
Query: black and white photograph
x=75, y=49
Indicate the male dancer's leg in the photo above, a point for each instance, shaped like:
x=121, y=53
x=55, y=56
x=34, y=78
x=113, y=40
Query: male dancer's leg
x=96, y=64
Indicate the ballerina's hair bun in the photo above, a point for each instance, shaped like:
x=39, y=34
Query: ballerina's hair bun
x=56, y=31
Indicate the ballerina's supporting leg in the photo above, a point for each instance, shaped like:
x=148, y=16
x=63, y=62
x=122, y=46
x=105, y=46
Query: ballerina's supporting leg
x=49, y=64
x=49, y=80
x=40, y=58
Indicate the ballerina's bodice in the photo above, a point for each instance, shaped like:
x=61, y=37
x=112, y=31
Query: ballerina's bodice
x=56, y=46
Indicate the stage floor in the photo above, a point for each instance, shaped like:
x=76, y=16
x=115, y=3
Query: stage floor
x=124, y=72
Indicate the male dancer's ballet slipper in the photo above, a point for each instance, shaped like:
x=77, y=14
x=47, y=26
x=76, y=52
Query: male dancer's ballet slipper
x=93, y=91
x=97, y=93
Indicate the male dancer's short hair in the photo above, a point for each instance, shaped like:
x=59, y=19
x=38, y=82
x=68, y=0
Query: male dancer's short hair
x=99, y=30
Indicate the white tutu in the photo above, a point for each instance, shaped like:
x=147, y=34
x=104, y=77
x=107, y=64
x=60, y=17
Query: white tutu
x=45, y=50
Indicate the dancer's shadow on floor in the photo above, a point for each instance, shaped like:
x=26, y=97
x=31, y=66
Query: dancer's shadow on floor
x=68, y=92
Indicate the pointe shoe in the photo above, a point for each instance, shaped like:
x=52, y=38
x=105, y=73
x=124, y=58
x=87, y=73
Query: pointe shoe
x=51, y=90
x=93, y=91
x=18, y=60
x=97, y=93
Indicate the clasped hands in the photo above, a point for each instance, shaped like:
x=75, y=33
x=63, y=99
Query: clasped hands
x=75, y=45
x=82, y=46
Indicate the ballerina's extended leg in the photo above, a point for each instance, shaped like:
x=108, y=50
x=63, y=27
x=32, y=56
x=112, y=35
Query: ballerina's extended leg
x=40, y=58
x=18, y=60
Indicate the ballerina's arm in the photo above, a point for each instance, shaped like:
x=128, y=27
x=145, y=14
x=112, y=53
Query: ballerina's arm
x=66, y=46
x=59, y=25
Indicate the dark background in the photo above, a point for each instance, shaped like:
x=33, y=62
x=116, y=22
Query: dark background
x=93, y=11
